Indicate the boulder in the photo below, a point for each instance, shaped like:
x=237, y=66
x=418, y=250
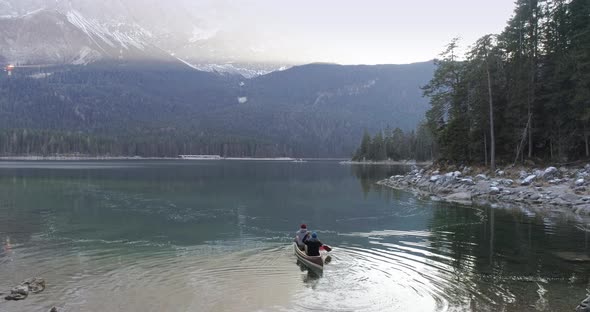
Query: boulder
x=550, y=173
x=528, y=180
x=434, y=178
x=500, y=173
x=579, y=182
x=494, y=190
x=523, y=174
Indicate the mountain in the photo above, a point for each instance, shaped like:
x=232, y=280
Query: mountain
x=51, y=37
x=80, y=32
x=165, y=109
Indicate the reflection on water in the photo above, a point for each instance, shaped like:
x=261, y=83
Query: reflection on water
x=216, y=236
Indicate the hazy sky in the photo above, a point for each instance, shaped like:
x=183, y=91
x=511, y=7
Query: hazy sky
x=353, y=32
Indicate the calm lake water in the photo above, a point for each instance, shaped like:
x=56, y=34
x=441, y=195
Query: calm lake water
x=215, y=236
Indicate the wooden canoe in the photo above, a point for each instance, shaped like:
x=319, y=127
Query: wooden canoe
x=313, y=262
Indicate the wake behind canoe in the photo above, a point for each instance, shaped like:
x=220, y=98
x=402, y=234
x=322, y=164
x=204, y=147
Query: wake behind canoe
x=313, y=262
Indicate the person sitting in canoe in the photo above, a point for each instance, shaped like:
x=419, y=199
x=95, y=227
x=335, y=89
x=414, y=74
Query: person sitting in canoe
x=313, y=245
x=300, y=236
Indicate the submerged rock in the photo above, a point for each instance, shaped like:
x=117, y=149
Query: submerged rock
x=22, y=291
x=18, y=293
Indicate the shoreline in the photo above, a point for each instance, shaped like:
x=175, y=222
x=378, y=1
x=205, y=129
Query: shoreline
x=65, y=158
x=551, y=189
x=387, y=162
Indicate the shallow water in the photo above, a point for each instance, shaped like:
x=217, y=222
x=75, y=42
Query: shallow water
x=215, y=236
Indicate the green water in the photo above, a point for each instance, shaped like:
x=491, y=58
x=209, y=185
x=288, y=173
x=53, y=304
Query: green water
x=215, y=236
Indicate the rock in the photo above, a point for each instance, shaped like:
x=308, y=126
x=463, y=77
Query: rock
x=494, y=190
x=500, y=173
x=461, y=196
x=54, y=309
x=481, y=177
x=436, y=172
x=569, y=197
x=35, y=285
x=523, y=174
x=528, y=180
x=494, y=183
x=534, y=197
x=580, y=189
x=559, y=201
x=507, y=182
x=580, y=182
x=550, y=173
x=582, y=209
x=31, y=285
x=457, y=174
x=434, y=178
x=18, y=293
x=467, y=181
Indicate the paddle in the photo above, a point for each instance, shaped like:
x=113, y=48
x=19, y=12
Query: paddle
x=326, y=248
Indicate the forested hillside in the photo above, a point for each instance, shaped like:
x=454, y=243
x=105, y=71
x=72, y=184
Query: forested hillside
x=166, y=109
x=522, y=94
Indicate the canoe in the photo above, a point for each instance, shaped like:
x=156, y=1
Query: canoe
x=313, y=262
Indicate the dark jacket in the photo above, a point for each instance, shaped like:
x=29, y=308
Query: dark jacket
x=313, y=246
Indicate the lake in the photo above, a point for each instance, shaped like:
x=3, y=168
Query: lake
x=181, y=235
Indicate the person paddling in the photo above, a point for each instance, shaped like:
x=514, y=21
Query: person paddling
x=300, y=236
x=313, y=245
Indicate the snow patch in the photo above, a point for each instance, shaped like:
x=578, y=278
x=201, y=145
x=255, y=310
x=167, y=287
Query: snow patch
x=86, y=56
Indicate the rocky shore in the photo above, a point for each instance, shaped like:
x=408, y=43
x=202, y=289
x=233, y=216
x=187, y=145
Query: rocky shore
x=564, y=188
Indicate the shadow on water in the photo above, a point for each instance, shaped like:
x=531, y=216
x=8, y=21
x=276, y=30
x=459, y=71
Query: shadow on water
x=368, y=175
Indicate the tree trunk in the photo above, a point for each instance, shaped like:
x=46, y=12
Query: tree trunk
x=485, y=149
x=492, y=139
x=534, y=34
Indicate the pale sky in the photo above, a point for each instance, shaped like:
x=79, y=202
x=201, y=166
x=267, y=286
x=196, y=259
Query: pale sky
x=353, y=32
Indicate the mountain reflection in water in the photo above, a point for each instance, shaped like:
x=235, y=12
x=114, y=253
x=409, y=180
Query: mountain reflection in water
x=216, y=236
